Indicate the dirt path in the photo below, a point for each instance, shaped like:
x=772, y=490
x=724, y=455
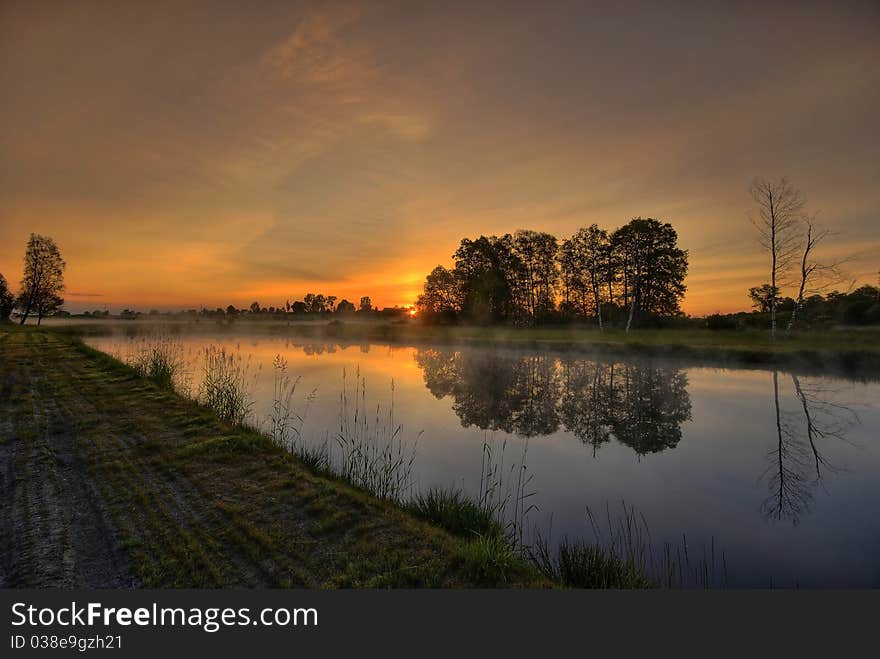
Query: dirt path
x=108, y=481
x=56, y=531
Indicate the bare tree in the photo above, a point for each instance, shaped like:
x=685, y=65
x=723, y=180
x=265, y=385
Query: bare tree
x=815, y=277
x=779, y=214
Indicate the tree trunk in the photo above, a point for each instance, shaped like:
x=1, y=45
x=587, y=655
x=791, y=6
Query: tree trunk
x=773, y=291
x=805, y=273
x=632, y=310
x=797, y=307
x=27, y=310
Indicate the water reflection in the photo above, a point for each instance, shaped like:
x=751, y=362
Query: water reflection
x=797, y=464
x=640, y=404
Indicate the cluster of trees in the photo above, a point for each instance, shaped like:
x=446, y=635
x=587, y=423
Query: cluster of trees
x=639, y=404
x=858, y=307
x=315, y=305
x=633, y=274
x=42, y=282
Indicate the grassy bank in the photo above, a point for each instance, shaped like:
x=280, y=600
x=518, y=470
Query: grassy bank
x=109, y=479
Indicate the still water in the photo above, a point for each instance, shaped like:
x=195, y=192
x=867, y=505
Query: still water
x=779, y=470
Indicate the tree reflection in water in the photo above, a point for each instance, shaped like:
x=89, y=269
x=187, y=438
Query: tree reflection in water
x=641, y=405
x=796, y=462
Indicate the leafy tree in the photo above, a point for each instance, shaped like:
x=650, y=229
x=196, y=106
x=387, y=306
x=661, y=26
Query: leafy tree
x=255, y=307
x=442, y=295
x=482, y=267
x=583, y=260
x=534, y=275
x=47, y=304
x=7, y=299
x=345, y=307
x=43, y=277
x=764, y=297
x=654, y=267
x=366, y=304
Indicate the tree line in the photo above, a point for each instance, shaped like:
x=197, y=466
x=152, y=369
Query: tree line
x=632, y=275
x=315, y=305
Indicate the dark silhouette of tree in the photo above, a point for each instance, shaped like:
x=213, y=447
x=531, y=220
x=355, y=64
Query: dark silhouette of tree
x=583, y=261
x=653, y=267
x=46, y=304
x=780, y=210
x=345, y=307
x=365, y=305
x=533, y=274
x=763, y=297
x=815, y=276
x=43, y=278
x=442, y=294
x=518, y=278
x=7, y=299
x=231, y=311
x=481, y=267
x=255, y=307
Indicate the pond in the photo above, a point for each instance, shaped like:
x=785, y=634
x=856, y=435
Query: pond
x=773, y=472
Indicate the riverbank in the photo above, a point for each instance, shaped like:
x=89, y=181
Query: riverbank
x=111, y=481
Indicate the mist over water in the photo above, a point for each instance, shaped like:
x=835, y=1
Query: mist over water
x=778, y=469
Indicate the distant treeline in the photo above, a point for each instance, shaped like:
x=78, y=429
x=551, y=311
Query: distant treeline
x=314, y=305
x=858, y=307
x=633, y=275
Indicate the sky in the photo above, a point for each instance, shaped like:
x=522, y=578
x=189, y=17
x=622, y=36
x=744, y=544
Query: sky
x=207, y=153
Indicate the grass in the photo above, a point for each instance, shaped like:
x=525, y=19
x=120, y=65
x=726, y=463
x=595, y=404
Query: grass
x=451, y=510
x=226, y=388
x=160, y=360
x=373, y=454
x=623, y=556
x=580, y=565
x=196, y=501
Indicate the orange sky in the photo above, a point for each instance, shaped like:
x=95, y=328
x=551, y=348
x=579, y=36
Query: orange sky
x=201, y=154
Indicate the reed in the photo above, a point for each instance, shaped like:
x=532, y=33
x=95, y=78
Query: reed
x=622, y=555
x=159, y=359
x=373, y=453
x=226, y=387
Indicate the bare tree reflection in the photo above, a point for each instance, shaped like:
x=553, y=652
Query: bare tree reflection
x=797, y=464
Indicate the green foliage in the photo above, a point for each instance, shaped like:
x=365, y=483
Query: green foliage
x=580, y=565
x=7, y=299
x=452, y=511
